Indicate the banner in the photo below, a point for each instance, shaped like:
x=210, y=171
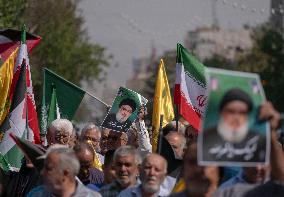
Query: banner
x=231, y=133
x=124, y=110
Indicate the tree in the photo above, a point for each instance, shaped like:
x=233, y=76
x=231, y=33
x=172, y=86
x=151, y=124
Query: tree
x=65, y=47
x=267, y=59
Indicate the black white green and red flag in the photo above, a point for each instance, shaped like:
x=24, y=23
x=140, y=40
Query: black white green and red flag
x=32, y=114
x=190, y=88
x=15, y=122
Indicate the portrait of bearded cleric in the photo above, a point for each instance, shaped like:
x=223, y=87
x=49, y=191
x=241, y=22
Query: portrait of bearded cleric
x=232, y=139
x=119, y=121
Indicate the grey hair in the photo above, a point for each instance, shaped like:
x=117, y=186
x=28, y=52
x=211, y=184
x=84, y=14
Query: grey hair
x=182, y=138
x=127, y=150
x=90, y=127
x=62, y=125
x=67, y=160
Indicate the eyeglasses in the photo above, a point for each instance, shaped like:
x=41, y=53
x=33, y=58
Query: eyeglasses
x=91, y=139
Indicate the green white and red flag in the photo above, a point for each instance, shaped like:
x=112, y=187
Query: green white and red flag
x=190, y=88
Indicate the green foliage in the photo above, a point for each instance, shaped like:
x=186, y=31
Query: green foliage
x=11, y=12
x=267, y=59
x=65, y=48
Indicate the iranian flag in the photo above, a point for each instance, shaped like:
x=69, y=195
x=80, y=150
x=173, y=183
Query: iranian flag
x=190, y=88
x=32, y=114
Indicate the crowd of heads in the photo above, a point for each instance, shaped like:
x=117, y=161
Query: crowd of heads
x=110, y=159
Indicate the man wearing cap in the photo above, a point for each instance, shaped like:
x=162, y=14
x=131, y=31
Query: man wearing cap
x=120, y=121
x=232, y=140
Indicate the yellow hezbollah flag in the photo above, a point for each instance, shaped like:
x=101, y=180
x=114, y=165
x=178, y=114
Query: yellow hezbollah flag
x=6, y=76
x=162, y=104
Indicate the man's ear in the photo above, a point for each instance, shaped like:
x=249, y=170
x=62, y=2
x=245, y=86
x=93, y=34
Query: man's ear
x=66, y=173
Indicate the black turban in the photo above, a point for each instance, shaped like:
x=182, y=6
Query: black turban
x=236, y=94
x=129, y=102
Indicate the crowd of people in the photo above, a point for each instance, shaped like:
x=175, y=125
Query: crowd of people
x=102, y=162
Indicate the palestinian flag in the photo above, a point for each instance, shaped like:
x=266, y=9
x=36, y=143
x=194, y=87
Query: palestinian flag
x=190, y=88
x=32, y=114
x=15, y=122
x=10, y=40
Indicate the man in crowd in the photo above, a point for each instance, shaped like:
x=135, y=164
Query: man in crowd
x=152, y=173
x=200, y=180
x=87, y=174
x=116, y=139
x=120, y=121
x=247, y=179
x=274, y=187
x=178, y=143
x=249, y=175
x=126, y=160
x=103, y=141
x=59, y=176
x=59, y=132
x=108, y=168
x=91, y=134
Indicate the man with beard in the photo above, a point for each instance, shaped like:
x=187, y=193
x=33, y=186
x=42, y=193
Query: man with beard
x=120, y=121
x=177, y=142
x=126, y=160
x=59, y=132
x=152, y=173
x=200, y=181
x=232, y=140
x=59, y=176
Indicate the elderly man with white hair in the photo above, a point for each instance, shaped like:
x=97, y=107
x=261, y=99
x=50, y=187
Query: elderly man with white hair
x=59, y=132
x=152, y=174
x=59, y=175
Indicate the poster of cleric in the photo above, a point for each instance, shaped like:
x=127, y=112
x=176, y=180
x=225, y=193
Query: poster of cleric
x=231, y=132
x=124, y=110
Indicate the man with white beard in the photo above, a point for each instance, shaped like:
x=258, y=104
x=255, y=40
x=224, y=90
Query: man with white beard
x=120, y=121
x=152, y=173
x=232, y=140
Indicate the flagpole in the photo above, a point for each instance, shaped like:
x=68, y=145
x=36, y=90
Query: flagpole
x=177, y=112
x=160, y=134
x=96, y=98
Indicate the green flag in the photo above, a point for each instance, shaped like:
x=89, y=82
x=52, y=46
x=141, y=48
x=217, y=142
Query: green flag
x=54, y=111
x=60, y=98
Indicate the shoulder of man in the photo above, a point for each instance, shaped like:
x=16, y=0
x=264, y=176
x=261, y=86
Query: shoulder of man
x=38, y=191
x=133, y=191
x=237, y=190
x=83, y=191
x=179, y=194
x=111, y=189
x=270, y=188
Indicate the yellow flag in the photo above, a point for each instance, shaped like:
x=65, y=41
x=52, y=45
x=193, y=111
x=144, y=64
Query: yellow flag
x=6, y=76
x=162, y=104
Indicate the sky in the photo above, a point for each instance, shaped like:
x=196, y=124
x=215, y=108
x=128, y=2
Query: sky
x=129, y=28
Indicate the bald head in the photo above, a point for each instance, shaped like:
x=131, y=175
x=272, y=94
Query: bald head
x=85, y=155
x=153, y=173
x=178, y=143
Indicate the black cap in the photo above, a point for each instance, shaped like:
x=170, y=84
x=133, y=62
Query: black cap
x=129, y=102
x=236, y=94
